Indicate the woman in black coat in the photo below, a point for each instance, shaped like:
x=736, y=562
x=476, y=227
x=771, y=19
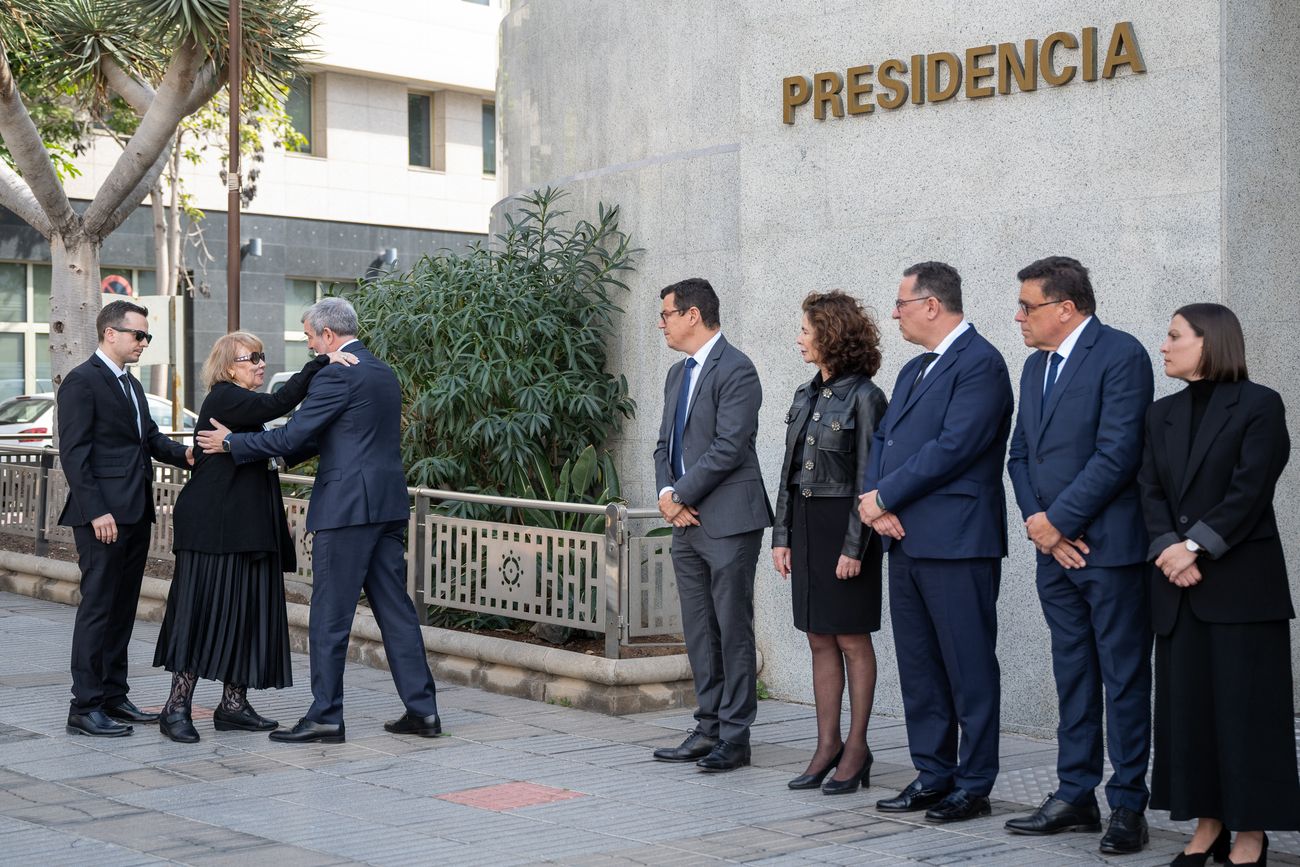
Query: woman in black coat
x=226, y=617
x=1225, y=751
x=818, y=540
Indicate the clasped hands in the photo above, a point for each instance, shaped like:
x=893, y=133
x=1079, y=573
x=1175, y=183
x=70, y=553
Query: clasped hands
x=678, y=514
x=883, y=521
x=1179, y=565
x=1049, y=540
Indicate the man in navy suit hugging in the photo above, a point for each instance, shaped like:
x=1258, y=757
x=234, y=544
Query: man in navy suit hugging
x=934, y=493
x=1074, y=460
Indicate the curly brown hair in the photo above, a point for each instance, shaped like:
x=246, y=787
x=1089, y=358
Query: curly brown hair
x=846, y=336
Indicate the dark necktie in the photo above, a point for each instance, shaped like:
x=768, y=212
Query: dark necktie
x=1051, y=378
x=926, y=360
x=126, y=387
x=679, y=420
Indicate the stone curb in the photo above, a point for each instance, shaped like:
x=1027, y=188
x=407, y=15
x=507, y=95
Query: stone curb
x=613, y=686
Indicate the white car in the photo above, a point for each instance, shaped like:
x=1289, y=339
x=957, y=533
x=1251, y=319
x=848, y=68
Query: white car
x=33, y=414
x=274, y=384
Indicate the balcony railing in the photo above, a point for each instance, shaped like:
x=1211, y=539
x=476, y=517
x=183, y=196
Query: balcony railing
x=616, y=583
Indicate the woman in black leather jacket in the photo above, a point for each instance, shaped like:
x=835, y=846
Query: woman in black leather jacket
x=818, y=540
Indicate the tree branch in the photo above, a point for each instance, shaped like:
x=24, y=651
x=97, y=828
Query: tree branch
x=18, y=197
x=206, y=84
x=28, y=150
x=138, y=93
x=130, y=176
x=132, y=200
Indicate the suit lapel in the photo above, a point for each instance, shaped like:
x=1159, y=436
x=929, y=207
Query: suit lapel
x=945, y=361
x=1032, y=409
x=706, y=369
x=1178, y=425
x=115, y=386
x=672, y=388
x=1216, y=416
x=1082, y=348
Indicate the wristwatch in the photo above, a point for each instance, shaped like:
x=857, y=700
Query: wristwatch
x=879, y=503
x=225, y=444
x=1192, y=546
x=675, y=498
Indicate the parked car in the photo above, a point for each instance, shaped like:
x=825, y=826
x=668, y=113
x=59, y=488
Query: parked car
x=274, y=384
x=34, y=414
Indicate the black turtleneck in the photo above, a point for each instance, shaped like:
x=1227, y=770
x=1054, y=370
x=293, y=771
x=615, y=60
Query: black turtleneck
x=1201, y=391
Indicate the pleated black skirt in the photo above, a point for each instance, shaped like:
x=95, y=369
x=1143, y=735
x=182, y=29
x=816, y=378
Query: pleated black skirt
x=823, y=603
x=1225, y=742
x=226, y=620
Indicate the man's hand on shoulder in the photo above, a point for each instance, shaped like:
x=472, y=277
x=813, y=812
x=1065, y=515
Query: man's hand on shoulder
x=212, y=441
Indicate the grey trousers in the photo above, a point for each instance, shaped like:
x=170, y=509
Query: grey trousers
x=715, y=583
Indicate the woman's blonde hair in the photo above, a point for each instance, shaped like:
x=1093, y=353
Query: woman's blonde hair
x=224, y=352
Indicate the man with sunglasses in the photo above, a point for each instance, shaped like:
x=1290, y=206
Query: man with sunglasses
x=107, y=441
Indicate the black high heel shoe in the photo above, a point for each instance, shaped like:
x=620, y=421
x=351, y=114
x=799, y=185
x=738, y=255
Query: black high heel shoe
x=1218, y=850
x=1262, y=861
x=843, y=787
x=814, y=781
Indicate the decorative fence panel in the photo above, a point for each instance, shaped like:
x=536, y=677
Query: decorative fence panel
x=651, y=588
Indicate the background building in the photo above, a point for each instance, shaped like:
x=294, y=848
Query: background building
x=1173, y=185
x=398, y=108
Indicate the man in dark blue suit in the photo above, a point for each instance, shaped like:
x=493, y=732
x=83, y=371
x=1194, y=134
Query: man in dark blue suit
x=1074, y=460
x=358, y=513
x=934, y=493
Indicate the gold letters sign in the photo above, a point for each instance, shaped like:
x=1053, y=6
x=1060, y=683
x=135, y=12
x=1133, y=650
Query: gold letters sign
x=986, y=70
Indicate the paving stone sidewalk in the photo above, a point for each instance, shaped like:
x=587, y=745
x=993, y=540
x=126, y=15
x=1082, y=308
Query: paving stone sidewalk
x=511, y=782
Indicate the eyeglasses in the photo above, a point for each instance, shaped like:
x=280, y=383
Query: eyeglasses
x=1030, y=308
x=140, y=336
x=664, y=314
x=899, y=302
x=253, y=357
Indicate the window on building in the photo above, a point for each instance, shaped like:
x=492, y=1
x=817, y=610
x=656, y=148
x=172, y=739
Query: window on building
x=419, y=118
x=127, y=281
x=299, y=294
x=24, y=328
x=298, y=106
x=489, y=138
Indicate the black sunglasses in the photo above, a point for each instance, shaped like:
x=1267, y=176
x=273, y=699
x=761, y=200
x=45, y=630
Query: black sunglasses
x=140, y=336
x=253, y=357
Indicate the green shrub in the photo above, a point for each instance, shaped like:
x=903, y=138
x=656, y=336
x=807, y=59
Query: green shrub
x=501, y=351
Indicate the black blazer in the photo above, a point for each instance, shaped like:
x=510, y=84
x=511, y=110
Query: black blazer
x=227, y=507
x=104, y=454
x=1218, y=491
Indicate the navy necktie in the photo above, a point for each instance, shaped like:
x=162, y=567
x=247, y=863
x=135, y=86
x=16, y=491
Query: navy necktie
x=1051, y=378
x=679, y=420
x=927, y=358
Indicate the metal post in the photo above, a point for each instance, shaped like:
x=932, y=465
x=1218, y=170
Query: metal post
x=615, y=541
x=42, y=503
x=234, y=182
x=418, y=553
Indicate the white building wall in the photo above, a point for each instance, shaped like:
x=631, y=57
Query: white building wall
x=371, y=54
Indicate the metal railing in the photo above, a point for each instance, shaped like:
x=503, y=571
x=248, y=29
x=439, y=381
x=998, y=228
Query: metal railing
x=616, y=583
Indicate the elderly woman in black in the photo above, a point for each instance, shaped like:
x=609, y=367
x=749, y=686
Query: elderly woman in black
x=226, y=617
x=818, y=540
x=1225, y=751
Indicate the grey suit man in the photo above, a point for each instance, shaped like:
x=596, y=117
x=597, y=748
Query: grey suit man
x=711, y=491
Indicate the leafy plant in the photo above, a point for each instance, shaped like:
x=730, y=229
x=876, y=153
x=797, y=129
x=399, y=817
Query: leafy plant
x=501, y=352
x=588, y=478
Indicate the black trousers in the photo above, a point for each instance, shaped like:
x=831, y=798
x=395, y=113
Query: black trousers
x=110, y=590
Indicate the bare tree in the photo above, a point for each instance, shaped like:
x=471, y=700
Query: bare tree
x=165, y=59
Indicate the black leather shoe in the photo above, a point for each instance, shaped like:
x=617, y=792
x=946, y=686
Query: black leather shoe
x=1126, y=833
x=178, y=726
x=695, y=747
x=724, y=757
x=914, y=797
x=245, y=720
x=1055, y=816
x=814, y=780
x=125, y=711
x=958, y=806
x=97, y=725
x=844, y=787
x=309, y=731
x=1219, y=850
x=410, y=724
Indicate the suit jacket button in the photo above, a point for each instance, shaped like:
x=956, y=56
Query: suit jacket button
x=810, y=441
x=807, y=465
x=807, y=492
x=826, y=392
x=1040, y=460
x=1182, y=519
x=817, y=416
x=889, y=442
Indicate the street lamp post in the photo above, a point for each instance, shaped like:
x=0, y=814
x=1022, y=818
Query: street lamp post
x=233, y=179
